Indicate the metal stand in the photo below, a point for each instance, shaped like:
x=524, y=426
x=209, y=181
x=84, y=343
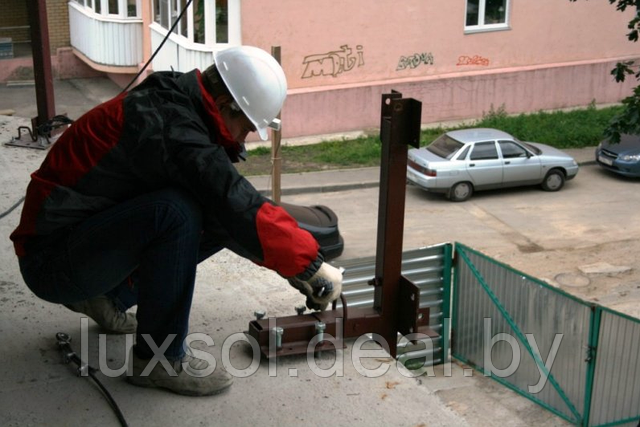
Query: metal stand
x=396, y=307
x=43, y=76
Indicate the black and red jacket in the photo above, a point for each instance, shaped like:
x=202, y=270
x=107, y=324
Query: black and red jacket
x=165, y=132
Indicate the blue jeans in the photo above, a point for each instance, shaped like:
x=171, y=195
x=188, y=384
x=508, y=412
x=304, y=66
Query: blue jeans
x=142, y=251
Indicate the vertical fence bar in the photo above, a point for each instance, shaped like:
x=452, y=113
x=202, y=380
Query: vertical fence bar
x=594, y=333
x=446, y=299
x=454, y=299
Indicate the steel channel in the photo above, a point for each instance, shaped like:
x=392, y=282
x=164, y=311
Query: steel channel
x=43, y=76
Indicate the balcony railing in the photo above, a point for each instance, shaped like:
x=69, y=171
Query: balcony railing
x=107, y=41
x=178, y=53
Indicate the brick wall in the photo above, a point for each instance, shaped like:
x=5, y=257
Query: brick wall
x=58, y=14
x=14, y=14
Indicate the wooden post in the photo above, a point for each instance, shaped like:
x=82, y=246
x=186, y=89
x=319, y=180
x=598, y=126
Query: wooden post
x=275, y=148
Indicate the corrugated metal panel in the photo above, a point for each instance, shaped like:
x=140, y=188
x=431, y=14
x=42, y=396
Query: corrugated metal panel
x=112, y=42
x=536, y=309
x=425, y=268
x=616, y=389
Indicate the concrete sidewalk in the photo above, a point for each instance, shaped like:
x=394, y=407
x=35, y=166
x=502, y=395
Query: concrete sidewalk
x=38, y=389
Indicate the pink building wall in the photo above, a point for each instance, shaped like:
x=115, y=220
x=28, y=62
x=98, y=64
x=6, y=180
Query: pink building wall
x=340, y=56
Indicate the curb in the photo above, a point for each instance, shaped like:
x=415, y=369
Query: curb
x=328, y=188
x=322, y=188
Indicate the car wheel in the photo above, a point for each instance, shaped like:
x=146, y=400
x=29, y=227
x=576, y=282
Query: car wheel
x=554, y=180
x=461, y=192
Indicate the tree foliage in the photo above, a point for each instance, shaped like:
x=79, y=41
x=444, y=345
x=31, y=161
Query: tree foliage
x=628, y=121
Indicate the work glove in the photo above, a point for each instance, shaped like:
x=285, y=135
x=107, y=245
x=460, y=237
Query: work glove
x=322, y=288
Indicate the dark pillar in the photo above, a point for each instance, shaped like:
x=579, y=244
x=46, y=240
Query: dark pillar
x=399, y=127
x=37, y=10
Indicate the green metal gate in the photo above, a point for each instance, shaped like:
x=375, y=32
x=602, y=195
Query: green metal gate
x=575, y=358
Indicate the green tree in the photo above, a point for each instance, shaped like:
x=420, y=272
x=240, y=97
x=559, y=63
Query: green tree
x=628, y=121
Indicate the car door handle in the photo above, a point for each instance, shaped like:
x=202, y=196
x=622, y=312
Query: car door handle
x=471, y=165
x=507, y=163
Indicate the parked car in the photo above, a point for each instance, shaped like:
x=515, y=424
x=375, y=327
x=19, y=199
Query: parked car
x=463, y=161
x=622, y=158
x=322, y=223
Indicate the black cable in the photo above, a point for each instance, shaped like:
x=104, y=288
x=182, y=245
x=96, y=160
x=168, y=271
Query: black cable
x=110, y=399
x=175, y=23
x=54, y=123
x=64, y=344
x=44, y=130
x=8, y=211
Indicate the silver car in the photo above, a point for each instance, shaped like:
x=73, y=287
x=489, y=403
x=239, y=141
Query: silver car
x=463, y=161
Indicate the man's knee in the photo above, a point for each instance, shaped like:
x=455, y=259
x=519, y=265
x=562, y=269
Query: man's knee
x=183, y=207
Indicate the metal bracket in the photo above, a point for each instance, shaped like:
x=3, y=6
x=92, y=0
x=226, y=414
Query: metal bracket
x=412, y=318
x=36, y=140
x=396, y=308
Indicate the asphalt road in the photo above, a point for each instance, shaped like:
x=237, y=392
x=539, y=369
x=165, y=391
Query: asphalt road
x=594, y=218
x=594, y=208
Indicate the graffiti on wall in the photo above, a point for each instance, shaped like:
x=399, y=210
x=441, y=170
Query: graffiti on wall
x=414, y=61
x=473, y=60
x=333, y=63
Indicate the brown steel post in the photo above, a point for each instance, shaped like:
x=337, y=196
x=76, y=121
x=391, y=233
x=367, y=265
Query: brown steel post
x=43, y=76
x=396, y=299
x=275, y=148
x=400, y=125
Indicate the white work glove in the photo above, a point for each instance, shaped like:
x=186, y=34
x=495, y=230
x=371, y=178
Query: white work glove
x=322, y=288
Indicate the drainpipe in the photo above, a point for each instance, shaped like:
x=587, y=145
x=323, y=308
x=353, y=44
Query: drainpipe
x=37, y=11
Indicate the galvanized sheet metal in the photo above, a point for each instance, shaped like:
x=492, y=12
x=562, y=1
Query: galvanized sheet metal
x=425, y=268
x=616, y=389
x=539, y=311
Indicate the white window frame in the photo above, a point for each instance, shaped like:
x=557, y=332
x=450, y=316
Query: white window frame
x=233, y=20
x=89, y=6
x=482, y=27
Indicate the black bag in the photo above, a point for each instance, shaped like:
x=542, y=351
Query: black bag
x=322, y=223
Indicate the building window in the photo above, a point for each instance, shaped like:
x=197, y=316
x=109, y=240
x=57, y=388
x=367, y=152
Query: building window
x=196, y=25
x=112, y=8
x=132, y=8
x=487, y=15
x=222, y=21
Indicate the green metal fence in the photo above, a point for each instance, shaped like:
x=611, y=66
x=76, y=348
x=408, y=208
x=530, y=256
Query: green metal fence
x=575, y=358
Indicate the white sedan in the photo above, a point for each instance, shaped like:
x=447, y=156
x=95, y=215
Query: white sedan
x=463, y=161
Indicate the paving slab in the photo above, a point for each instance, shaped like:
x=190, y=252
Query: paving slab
x=604, y=268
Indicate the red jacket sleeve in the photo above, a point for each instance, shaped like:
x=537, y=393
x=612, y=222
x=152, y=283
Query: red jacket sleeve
x=284, y=244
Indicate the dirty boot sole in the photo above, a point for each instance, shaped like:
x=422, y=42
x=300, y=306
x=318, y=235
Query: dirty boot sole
x=188, y=388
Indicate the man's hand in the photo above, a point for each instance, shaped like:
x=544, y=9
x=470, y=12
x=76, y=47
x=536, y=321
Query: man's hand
x=322, y=288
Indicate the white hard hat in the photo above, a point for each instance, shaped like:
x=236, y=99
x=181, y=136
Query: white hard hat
x=256, y=82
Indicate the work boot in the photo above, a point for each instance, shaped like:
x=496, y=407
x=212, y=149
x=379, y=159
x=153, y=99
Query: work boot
x=104, y=312
x=181, y=381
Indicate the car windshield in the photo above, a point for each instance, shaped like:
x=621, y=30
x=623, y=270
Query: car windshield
x=445, y=147
x=535, y=150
